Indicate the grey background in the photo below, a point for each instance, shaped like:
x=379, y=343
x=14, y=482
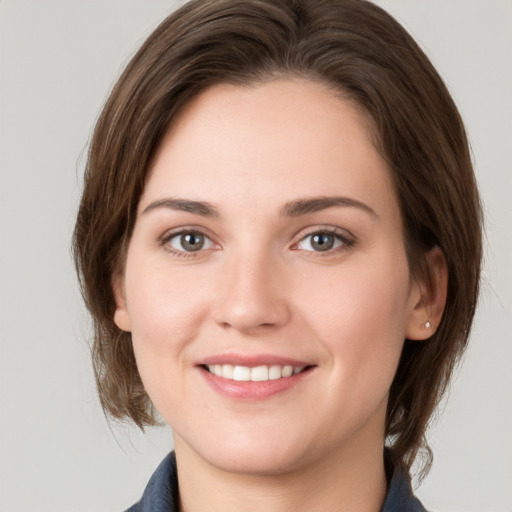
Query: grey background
x=58, y=59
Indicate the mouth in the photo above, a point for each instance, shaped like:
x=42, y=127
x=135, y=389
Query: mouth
x=250, y=378
x=262, y=373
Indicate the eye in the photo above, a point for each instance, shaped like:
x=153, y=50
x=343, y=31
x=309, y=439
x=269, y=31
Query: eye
x=323, y=241
x=189, y=241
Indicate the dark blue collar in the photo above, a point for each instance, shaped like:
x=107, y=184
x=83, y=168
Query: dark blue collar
x=161, y=493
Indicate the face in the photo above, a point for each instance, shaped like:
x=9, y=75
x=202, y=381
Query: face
x=266, y=283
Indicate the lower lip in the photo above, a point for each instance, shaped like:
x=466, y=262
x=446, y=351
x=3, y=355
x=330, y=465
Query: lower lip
x=249, y=390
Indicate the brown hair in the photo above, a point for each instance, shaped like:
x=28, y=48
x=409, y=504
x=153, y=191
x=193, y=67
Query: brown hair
x=356, y=48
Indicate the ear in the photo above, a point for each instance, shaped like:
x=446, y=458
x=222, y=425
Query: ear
x=121, y=315
x=428, y=298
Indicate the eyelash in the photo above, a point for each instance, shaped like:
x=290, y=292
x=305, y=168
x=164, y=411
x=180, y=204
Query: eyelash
x=347, y=241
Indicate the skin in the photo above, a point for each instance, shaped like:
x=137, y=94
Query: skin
x=259, y=286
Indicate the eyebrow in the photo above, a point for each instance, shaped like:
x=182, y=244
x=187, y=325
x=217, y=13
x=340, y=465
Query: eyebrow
x=185, y=205
x=315, y=204
x=294, y=208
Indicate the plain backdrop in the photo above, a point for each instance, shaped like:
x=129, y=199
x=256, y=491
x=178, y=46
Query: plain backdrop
x=58, y=60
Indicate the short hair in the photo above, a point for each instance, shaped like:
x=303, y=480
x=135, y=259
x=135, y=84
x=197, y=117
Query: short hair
x=355, y=48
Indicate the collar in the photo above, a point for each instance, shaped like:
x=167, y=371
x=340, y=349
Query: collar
x=161, y=493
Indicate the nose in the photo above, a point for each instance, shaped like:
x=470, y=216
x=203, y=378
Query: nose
x=251, y=296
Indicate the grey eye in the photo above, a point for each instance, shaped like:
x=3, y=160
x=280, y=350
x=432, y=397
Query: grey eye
x=190, y=241
x=320, y=242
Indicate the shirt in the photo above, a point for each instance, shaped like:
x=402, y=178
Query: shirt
x=161, y=493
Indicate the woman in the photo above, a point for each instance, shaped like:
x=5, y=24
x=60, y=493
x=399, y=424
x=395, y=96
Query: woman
x=279, y=241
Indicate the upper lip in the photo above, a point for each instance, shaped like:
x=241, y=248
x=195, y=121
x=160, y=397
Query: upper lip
x=252, y=360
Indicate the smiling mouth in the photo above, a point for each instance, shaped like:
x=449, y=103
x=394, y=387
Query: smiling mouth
x=254, y=374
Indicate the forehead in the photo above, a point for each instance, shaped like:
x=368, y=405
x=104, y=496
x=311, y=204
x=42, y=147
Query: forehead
x=278, y=139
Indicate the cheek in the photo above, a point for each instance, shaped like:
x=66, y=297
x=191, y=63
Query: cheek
x=166, y=310
x=361, y=316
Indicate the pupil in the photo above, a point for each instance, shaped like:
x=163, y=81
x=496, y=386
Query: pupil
x=192, y=241
x=322, y=242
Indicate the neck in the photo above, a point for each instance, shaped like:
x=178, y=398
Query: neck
x=349, y=480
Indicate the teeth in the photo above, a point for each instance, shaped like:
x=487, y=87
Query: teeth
x=241, y=373
x=227, y=371
x=275, y=372
x=259, y=373
x=255, y=374
x=287, y=371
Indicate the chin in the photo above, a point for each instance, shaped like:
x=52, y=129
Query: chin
x=260, y=462
x=261, y=456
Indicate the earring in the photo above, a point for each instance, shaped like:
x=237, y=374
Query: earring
x=428, y=325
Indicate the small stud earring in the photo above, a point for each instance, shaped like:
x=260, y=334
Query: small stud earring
x=428, y=325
